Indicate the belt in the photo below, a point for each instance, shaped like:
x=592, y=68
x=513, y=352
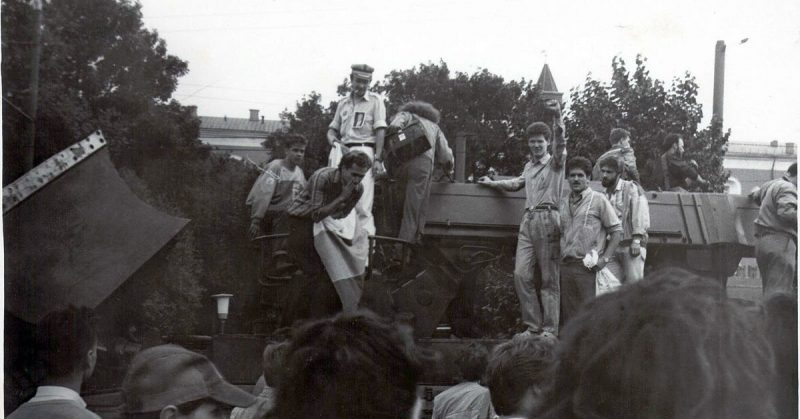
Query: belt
x=761, y=231
x=543, y=207
x=370, y=145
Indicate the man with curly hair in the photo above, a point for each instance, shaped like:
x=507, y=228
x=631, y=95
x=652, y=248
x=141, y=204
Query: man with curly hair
x=539, y=233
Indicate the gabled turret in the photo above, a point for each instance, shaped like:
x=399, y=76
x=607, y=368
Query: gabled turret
x=548, y=85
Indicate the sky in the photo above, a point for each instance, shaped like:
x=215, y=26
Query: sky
x=266, y=55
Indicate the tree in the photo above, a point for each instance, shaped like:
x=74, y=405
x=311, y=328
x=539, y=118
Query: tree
x=99, y=68
x=649, y=110
x=311, y=120
x=496, y=112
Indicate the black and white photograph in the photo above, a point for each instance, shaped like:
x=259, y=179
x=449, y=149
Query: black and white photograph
x=399, y=209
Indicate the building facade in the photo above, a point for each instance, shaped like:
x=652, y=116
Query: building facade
x=239, y=138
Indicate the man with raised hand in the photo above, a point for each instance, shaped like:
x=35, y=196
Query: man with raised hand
x=539, y=232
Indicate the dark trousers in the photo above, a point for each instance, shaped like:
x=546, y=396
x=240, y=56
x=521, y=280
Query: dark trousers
x=577, y=287
x=312, y=295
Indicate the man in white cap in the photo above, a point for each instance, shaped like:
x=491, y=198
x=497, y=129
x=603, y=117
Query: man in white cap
x=360, y=124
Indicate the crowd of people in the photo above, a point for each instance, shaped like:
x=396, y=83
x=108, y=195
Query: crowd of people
x=664, y=345
x=569, y=234
x=670, y=346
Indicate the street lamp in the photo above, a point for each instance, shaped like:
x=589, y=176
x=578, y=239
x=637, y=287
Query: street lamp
x=223, y=304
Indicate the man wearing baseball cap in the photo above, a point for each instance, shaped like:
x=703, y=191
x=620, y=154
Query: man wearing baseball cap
x=360, y=124
x=169, y=381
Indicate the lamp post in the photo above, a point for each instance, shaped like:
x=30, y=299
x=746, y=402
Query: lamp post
x=223, y=304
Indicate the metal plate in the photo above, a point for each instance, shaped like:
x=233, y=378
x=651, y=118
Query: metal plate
x=76, y=237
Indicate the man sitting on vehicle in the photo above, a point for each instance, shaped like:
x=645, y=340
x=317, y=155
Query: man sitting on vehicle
x=620, y=140
x=677, y=174
x=276, y=188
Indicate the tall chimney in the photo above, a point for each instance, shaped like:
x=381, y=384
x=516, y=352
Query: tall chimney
x=193, y=110
x=254, y=115
x=719, y=80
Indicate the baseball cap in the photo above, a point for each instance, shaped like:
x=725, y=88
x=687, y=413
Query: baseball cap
x=172, y=375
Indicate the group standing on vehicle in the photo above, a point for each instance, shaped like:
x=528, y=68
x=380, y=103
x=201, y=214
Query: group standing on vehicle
x=568, y=235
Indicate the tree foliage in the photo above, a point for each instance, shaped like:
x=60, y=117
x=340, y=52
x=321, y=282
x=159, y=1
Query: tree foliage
x=494, y=111
x=101, y=69
x=649, y=110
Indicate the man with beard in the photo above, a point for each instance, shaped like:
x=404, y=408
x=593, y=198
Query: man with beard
x=678, y=174
x=360, y=124
x=276, y=187
x=587, y=218
x=538, y=240
x=632, y=209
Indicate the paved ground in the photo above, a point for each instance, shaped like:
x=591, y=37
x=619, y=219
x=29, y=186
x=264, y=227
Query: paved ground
x=745, y=288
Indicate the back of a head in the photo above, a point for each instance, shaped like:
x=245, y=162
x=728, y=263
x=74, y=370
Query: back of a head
x=349, y=366
x=617, y=135
x=792, y=170
x=671, y=346
x=517, y=367
x=63, y=339
x=472, y=360
x=273, y=362
x=423, y=109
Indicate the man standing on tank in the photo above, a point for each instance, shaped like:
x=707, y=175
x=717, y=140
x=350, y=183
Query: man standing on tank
x=360, y=124
x=776, y=232
x=539, y=232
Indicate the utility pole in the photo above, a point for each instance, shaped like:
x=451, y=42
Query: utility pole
x=29, y=146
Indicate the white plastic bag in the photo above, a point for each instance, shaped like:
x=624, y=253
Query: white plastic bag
x=605, y=281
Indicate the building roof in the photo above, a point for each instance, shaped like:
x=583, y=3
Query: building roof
x=240, y=124
x=786, y=150
x=546, y=82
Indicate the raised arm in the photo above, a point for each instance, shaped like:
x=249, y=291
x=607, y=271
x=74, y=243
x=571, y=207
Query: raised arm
x=559, y=143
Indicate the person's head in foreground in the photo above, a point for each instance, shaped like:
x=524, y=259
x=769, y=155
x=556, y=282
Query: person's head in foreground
x=66, y=343
x=518, y=373
x=472, y=361
x=169, y=381
x=273, y=361
x=350, y=366
x=670, y=346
